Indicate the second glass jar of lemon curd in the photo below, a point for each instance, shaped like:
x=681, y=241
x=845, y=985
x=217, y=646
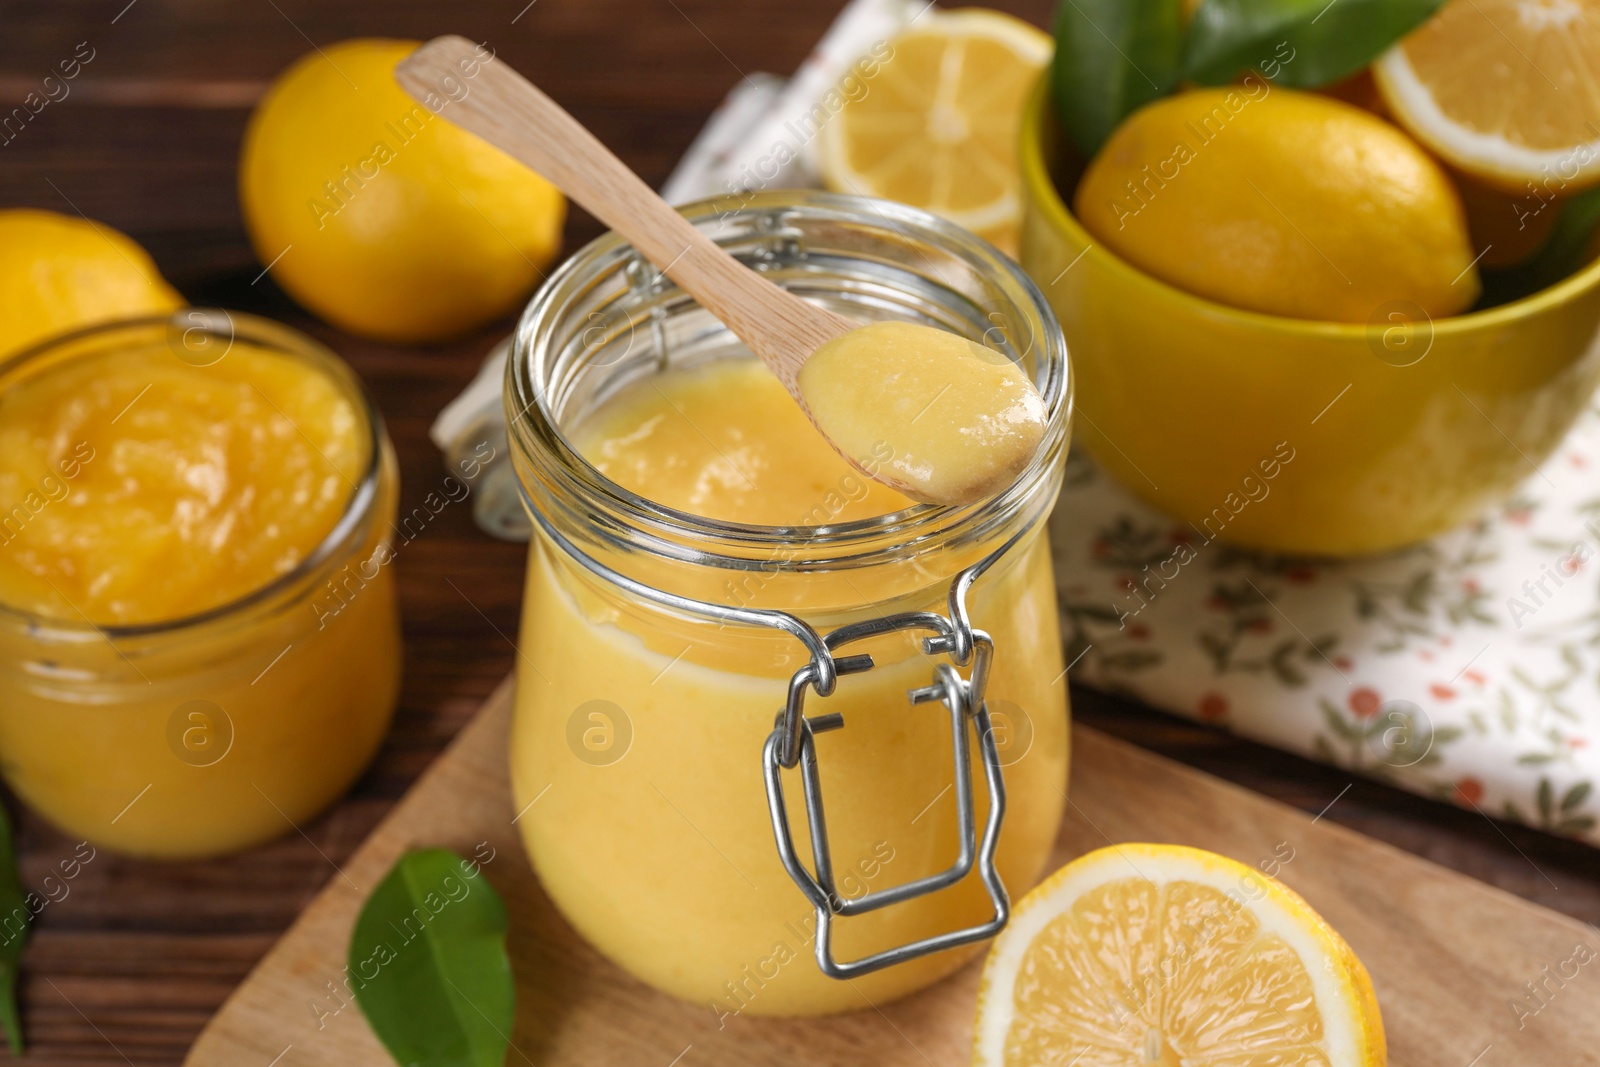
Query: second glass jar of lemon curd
x=199, y=637
x=694, y=693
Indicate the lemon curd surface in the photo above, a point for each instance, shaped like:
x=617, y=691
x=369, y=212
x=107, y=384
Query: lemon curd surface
x=210, y=483
x=636, y=750
x=173, y=680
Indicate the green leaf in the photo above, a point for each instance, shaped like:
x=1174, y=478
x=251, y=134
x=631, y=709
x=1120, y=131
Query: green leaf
x=1508, y=711
x=1565, y=250
x=1336, y=722
x=1563, y=253
x=1112, y=58
x=1546, y=798
x=428, y=960
x=1300, y=43
x=14, y=922
x=1216, y=648
x=1282, y=664
x=1130, y=660
x=1575, y=796
x=1417, y=593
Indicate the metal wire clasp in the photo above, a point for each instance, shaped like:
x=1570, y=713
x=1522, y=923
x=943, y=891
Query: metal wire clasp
x=792, y=742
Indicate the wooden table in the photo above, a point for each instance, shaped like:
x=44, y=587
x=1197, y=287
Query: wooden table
x=127, y=968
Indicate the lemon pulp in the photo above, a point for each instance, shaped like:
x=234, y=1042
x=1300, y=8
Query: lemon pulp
x=932, y=119
x=1506, y=90
x=1166, y=956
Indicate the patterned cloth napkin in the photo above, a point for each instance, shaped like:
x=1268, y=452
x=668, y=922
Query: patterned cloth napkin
x=1466, y=669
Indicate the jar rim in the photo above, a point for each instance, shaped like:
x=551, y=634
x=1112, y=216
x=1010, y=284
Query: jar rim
x=539, y=438
x=273, y=336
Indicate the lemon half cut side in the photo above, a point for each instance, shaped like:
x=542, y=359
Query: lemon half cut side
x=1505, y=90
x=1166, y=956
x=936, y=124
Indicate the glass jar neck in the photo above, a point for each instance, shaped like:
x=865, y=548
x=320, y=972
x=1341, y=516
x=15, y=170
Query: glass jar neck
x=607, y=319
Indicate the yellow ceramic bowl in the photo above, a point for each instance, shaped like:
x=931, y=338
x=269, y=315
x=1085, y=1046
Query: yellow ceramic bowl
x=1302, y=436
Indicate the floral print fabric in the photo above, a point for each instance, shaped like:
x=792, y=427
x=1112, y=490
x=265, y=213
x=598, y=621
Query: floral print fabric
x=1466, y=669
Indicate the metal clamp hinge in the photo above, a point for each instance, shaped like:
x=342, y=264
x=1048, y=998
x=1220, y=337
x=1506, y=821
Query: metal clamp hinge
x=792, y=743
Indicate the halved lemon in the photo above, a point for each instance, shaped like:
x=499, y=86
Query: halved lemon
x=1164, y=956
x=1506, y=90
x=937, y=123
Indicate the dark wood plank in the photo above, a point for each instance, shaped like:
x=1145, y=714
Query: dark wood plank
x=129, y=966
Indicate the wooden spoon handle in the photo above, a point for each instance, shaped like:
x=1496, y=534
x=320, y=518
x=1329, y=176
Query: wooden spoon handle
x=508, y=111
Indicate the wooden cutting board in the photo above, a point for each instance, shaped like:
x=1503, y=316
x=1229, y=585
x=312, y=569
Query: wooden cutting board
x=1448, y=955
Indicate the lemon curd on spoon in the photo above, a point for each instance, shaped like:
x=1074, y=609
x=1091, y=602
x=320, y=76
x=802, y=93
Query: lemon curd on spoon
x=198, y=642
x=939, y=417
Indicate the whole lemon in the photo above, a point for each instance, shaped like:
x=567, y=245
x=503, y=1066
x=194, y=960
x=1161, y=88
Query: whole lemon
x=1282, y=202
x=379, y=215
x=60, y=273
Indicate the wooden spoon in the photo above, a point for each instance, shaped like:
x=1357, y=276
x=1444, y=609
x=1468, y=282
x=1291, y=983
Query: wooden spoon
x=874, y=389
x=514, y=115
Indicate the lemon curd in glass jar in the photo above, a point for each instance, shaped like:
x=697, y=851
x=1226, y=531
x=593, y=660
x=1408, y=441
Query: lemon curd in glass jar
x=199, y=640
x=678, y=496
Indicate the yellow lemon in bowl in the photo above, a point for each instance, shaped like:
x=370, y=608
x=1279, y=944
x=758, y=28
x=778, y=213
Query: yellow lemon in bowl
x=1386, y=432
x=1281, y=202
x=60, y=273
x=380, y=216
